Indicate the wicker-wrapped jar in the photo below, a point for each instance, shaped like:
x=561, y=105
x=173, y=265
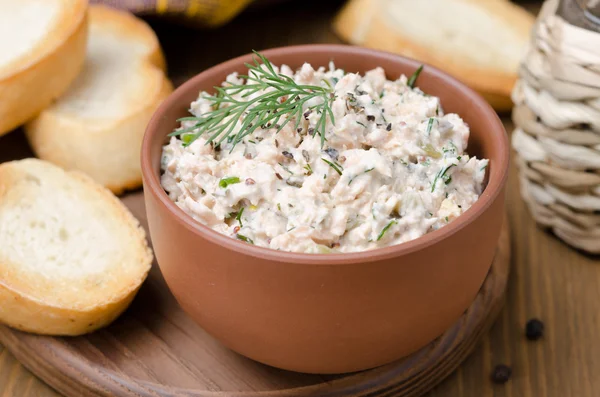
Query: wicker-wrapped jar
x=557, y=118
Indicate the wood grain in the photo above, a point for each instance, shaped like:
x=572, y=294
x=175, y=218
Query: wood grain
x=154, y=349
x=549, y=280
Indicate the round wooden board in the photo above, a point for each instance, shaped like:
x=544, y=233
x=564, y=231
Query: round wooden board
x=154, y=349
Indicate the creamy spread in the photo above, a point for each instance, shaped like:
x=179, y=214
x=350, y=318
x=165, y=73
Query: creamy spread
x=393, y=168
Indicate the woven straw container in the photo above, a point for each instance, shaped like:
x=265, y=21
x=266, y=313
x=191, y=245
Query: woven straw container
x=557, y=118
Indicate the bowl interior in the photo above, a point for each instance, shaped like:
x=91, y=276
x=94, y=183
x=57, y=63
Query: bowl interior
x=488, y=138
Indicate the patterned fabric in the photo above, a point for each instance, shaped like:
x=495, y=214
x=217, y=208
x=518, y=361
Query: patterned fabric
x=205, y=13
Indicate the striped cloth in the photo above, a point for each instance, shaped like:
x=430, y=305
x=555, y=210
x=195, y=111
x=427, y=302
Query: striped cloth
x=204, y=13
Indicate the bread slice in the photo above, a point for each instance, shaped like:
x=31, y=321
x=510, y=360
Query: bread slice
x=478, y=42
x=42, y=48
x=98, y=125
x=72, y=257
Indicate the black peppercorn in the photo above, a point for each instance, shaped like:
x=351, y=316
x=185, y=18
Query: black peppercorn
x=534, y=329
x=501, y=374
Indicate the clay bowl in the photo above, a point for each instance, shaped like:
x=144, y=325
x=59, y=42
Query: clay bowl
x=339, y=312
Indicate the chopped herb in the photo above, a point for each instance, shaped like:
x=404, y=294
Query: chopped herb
x=437, y=110
x=356, y=176
x=381, y=95
x=306, y=155
x=335, y=80
x=289, y=230
x=308, y=169
x=324, y=176
x=287, y=154
x=223, y=183
x=413, y=79
x=358, y=122
x=286, y=168
x=484, y=167
x=446, y=219
x=441, y=174
x=279, y=206
x=331, y=152
x=446, y=194
x=385, y=229
x=293, y=183
x=337, y=168
x=429, y=125
x=187, y=138
x=244, y=238
x=458, y=158
x=251, y=141
x=239, y=217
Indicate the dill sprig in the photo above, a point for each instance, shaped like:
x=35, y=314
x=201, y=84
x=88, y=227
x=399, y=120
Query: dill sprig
x=282, y=101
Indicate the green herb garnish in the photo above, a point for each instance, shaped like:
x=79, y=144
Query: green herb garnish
x=279, y=206
x=413, y=79
x=385, y=229
x=286, y=168
x=264, y=110
x=441, y=174
x=308, y=169
x=429, y=125
x=187, y=138
x=338, y=168
x=356, y=176
x=239, y=217
x=244, y=238
x=228, y=181
x=358, y=122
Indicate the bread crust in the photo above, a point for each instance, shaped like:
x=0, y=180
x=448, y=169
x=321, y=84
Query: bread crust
x=107, y=149
x=361, y=22
x=33, y=81
x=42, y=312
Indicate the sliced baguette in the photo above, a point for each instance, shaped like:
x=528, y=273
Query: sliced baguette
x=478, y=42
x=42, y=48
x=98, y=125
x=72, y=257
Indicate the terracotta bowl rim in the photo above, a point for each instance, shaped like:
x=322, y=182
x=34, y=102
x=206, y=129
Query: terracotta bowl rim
x=494, y=188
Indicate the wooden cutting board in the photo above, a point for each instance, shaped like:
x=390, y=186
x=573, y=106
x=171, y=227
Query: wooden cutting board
x=154, y=349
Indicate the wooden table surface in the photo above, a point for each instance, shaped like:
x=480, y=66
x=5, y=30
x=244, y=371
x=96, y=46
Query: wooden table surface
x=549, y=280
